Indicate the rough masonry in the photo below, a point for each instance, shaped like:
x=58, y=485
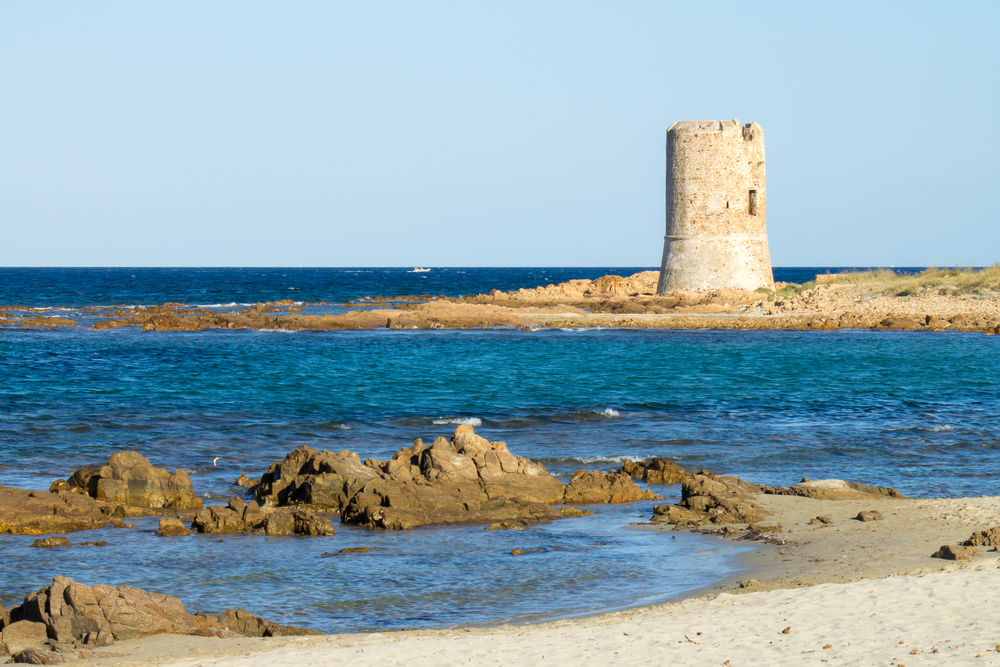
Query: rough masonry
x=716, y=208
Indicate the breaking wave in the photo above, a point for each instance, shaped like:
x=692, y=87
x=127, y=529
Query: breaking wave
x=468, y=421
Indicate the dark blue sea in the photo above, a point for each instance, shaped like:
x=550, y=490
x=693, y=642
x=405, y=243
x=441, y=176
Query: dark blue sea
x=919, y=411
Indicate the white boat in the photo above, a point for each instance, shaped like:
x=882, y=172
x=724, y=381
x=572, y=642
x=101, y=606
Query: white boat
x=418, y=269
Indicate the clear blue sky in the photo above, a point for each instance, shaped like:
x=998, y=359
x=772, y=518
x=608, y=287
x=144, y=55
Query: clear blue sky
x=486, y=133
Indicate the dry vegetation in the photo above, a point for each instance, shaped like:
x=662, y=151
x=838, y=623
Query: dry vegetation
x=945, y=282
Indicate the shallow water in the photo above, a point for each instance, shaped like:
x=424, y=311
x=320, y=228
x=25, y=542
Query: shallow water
x=913, y=410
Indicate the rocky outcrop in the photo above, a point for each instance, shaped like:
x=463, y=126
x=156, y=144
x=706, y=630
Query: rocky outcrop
x=242, y=517
x=984, y=538
x=68, y=612
x=723, y=499
x=312, y=477
x=40, y=512
x=463, y=480
x=244, y=623
x=834, y=489
x=130, y=479
x=949, y=552
x=597, y=487
x=708, y=498
x=172, y=527
x=54, y=541
x=713, y=499
x=657, y=470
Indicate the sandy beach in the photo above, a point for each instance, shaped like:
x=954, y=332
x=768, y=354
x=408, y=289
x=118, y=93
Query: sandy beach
x=849, y=592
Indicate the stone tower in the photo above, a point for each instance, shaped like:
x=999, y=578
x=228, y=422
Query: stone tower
x=716, y=208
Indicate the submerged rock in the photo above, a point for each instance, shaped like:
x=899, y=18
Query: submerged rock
x=130, y=479
x=54, y=541
x=172, y=527
x=40, y=512
x=463, y=480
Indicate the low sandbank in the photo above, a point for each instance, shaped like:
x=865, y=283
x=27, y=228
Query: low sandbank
x=935, y=300
x=844, y=592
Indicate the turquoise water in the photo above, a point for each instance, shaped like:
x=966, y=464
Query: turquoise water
x=914, y=410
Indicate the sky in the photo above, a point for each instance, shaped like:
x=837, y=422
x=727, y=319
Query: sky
x=486, y=133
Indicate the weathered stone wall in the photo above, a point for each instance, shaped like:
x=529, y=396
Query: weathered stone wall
x=716, y=208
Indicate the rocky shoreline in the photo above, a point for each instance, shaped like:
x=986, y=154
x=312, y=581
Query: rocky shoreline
x=920, y=303
x=808, y=533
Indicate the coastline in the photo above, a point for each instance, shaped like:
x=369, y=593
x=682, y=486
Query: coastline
x=813, y=567
x=925, y=302
x=865, y=590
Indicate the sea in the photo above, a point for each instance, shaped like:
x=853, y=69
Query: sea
x=918, y=411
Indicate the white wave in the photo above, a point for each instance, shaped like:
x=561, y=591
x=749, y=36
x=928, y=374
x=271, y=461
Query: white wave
x=220, y=305
x=468, y=421
x=943, y=428
x=608, y=412
x=595, y=459
x=287, y=331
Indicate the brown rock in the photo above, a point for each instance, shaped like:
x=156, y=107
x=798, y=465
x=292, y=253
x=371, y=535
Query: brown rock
x=984, y=538
x=722, y=499
x=573, y=512
x=172, y=527
x=4, y=616
x=98, y=543
x=22, y=635
x=677, y=515
x=248, y=625
x=825, y=520
x=517, y=552
x=39, y=512
x=243, y=480
x=871, y=515
x=658, y=470
x=949, y=552
x=241, y=517
x=835, y=489
x=506, y=525
x=130, y=479
x=463, y=480
x=69, y=613
x=899, y=323
x=54, y=541
x=43, y=656
x=355, y=550
x=598, y=487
